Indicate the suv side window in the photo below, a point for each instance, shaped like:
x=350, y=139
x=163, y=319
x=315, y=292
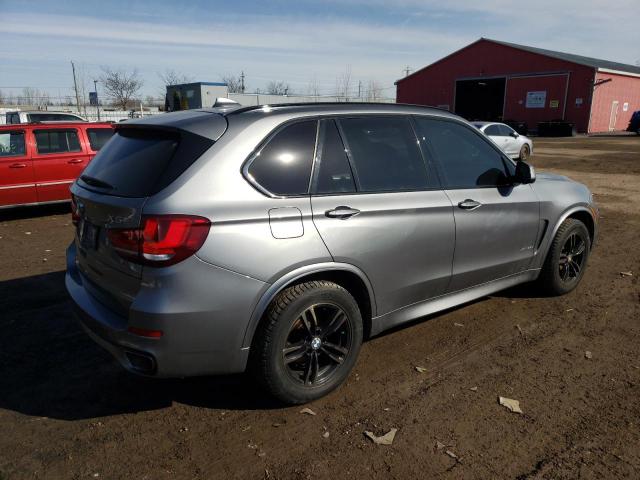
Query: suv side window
x=283, y=165
x=13, y=118
x=12, y=144
x=332, y=170
x=57, y=141
x=466, y=158
x=384, y=154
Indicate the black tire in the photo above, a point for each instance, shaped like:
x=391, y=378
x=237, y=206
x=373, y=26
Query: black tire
x=525, y=152
x=565, y=264
x=323, y=359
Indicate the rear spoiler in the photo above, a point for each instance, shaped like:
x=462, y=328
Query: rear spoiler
x=205, y=124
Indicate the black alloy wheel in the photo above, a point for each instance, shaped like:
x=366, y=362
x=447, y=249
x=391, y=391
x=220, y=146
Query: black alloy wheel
x=307, y=342
x=317, y=344
x=572, y=257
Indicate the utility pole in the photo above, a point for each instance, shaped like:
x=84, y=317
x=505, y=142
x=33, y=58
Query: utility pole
x=242, y=81
x=95, y=89
x=359, y=87
x=75, y=86
x=406, y=71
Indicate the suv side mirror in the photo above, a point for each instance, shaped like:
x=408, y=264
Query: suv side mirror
x=514, y=134
x=525, y=173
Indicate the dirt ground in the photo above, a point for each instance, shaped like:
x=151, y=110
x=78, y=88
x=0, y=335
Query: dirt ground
x=68, y=411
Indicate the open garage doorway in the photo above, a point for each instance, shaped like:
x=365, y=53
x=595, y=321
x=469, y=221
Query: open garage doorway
x=480, y=99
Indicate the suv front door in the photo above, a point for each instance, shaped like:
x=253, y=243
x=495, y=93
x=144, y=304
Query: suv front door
x=378, y=207
x=496, y=221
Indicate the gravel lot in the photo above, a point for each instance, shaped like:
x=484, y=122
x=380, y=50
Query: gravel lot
x=68, y=411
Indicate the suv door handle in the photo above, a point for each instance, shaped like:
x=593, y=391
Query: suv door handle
x=469, y=204
x=75, y=160
x=342, y=212
x=18, y=165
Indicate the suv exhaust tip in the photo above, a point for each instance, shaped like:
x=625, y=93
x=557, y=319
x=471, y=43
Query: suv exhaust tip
x=141, y=362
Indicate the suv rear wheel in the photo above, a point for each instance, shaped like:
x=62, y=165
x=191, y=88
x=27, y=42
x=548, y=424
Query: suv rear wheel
x=308, y=342
x=567, y=258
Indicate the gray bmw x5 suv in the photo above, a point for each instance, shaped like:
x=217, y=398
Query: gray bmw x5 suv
x=275, y=239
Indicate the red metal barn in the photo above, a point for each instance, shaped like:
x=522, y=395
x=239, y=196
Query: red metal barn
x=492, y=80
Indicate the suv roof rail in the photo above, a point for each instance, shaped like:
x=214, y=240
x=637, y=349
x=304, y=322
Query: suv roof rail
x=308, y=104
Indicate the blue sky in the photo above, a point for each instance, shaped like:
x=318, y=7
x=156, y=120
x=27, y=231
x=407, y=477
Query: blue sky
x=299, y=42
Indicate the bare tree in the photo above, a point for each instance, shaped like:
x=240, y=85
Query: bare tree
x=234, y=83
x=33, y=96
x=278, y=88
x=343, y=83
x=151, y=101
x=82, y=81
x=373, y=91
x=313, y=88
x=121, y=86
x=171, y=77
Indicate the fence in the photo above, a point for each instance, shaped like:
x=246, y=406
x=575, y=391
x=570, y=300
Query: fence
x=152, y=105
x=249, y=99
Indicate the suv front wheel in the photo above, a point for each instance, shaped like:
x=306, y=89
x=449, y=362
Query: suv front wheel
x=308, y=341
x=567, y=258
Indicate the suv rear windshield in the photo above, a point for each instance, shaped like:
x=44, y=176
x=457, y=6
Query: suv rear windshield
x=141, y=162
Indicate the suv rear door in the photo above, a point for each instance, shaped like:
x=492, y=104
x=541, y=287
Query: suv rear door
x=17, y=185
x=377, y=206
x=496, y=221
x=59, y=157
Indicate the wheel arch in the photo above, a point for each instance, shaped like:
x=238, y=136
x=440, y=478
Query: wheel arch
x=346, y=275
x=579, y=212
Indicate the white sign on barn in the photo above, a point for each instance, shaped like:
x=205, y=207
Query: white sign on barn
x=536, y=99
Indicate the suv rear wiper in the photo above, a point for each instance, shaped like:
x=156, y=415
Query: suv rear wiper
x=94, y=182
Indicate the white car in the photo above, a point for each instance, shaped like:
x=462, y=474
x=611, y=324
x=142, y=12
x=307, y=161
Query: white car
x=511, y=142
x=17, y=117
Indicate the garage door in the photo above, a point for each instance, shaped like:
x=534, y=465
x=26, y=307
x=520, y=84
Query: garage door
x=534, y=99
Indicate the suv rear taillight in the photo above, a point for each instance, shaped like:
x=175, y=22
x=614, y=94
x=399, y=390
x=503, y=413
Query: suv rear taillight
x=162, y=240
x=75, y=216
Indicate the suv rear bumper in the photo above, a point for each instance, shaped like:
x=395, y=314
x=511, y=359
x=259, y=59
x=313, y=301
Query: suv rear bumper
x=202, y=310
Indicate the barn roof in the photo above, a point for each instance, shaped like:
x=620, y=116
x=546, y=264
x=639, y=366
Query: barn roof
x=570, y=57
x=567, y=57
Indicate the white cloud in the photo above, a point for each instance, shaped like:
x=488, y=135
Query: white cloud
x=293, y=49
x=297, y=49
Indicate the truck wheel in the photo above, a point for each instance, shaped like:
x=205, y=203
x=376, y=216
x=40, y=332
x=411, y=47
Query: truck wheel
x=308, y=342
x=567, y=258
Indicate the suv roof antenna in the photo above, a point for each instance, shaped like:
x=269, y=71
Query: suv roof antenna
x=224, y=102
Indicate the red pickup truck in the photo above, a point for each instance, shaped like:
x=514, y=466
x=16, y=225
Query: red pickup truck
x=38, y=161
